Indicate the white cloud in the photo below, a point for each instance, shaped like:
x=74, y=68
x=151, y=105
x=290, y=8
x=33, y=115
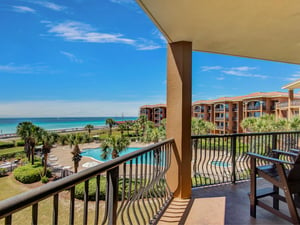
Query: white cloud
x=69, y=108
x=71, y=57
x=294, y=76
x=143, y=44
x=49, y=5
x=77, y=31
x=242, y=71
x=243, y=74
x=123, y=1
x=243, y=68
x=11, y=68
x=82, y=32
x=23, y=9
x=208, y=68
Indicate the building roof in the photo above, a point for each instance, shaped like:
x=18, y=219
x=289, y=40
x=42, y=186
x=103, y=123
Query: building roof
x=293, y=85
x=245, y=97
x=267, y=29
x=154, y=106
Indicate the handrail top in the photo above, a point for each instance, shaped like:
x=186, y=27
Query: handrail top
x=241, y=134
x=269, y=159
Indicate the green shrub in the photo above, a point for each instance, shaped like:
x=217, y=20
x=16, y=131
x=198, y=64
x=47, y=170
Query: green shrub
x=79, y=189
x=20, y=143
x=10, y=152
x=3, y=172
x=6, y=145
x=44, y=179
x=30, y=173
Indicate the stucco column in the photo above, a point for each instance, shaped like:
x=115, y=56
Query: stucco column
x=179, y=99
x=291, y=98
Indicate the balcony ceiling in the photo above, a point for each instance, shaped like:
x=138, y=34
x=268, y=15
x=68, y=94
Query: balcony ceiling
x=263, y=29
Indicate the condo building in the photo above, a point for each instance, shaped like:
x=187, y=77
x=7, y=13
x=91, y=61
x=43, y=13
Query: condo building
x=155, y=113
x=227, y=113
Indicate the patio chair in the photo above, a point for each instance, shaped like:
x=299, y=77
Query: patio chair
x=282, y=174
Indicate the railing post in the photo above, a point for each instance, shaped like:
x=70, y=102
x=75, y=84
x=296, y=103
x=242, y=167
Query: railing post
x=233, y=160
x=274, y=141
x=113, y=181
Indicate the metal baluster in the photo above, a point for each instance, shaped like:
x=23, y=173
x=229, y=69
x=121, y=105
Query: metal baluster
x=86, y=202
x=97, y=199
x=72, y=204
x=55, y=210
x=35, y=214
x=8, y=220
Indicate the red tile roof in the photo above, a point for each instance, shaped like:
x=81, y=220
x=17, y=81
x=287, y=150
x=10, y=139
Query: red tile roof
x=154, y=106
x=244, y=97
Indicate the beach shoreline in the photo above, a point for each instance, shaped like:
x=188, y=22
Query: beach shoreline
x=59, y=131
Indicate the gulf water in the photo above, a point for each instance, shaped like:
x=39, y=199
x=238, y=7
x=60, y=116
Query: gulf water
x=8, y=125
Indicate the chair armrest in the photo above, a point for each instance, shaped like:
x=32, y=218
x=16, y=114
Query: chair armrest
x=280, y=152
x=269, y=159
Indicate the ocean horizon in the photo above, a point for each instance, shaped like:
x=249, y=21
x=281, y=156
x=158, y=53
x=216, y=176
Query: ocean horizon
x=9, y=125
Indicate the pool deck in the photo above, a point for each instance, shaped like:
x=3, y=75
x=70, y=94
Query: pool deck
x=64, y=156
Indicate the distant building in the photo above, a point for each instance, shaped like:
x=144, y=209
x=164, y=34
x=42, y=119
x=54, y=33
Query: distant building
x=291, y=107
x=155, y=113
x=227, y=113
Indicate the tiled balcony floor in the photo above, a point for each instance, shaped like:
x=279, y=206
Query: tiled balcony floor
x=237, y=207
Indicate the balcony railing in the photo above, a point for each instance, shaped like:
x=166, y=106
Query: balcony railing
x=286, y=104
x=223, y=158
x=128, y=190
x=256, y=107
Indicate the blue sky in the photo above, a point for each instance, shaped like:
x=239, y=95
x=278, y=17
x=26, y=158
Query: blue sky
x=105, y=58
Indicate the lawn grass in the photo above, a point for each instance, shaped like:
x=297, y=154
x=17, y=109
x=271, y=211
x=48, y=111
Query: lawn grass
x=10, y=187
x=11, y=150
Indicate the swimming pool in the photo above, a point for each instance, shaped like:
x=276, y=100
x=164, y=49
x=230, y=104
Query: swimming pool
x=96, y=153
x=220, y=163
x=150, y=159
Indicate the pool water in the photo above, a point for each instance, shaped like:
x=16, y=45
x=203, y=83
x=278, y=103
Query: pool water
x=220, y=163
x=96, y=153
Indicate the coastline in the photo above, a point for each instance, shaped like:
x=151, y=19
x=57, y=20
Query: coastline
x=63, y=130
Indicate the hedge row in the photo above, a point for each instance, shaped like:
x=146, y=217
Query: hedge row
x=135, y=185
x=30, y=173
x=4, y=145
x=11, y=153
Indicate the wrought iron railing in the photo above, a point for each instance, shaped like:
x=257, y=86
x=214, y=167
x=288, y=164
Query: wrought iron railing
x=130, y=189
x=220, y=159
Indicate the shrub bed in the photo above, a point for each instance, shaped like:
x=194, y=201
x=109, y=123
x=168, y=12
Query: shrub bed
x=30, y=173
x=6, y=145
x=3, y=172
x=135, y=185
x=11, y=153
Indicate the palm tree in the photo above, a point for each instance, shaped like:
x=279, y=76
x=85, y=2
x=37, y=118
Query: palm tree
x=76, y=157
x=122, y=127
x=113, y=145
x=128, y=125
x=48, y=140
x=89, y=127
x=110, y=122
x=142, y=120
x=31, y=134
x=154, y=135
x=200, y=126
x=71, y=139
